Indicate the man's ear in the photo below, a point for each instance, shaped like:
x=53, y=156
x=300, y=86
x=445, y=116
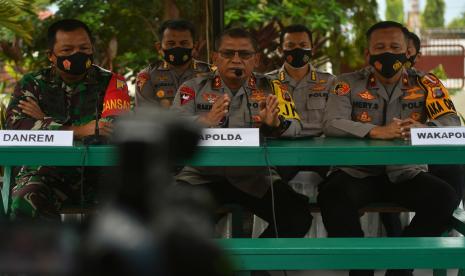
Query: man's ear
x=196, y=49
x=158, y=48
x=214, y=57
x=280, y=51
x=257, y=59
x=50, y=56
x=367, y=57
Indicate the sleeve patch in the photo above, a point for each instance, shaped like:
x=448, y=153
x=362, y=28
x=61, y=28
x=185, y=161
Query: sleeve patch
x=142, y=78
x=187, y=94
x=341, y=88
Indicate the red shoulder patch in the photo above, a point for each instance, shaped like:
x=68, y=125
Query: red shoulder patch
x=342, y=88
x=187, y=94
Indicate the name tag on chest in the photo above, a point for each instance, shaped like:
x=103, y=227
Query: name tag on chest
x=230, y=137
x=55, y=138
x=438, y=136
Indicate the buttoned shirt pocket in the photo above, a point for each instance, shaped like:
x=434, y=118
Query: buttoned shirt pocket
x=315, y=110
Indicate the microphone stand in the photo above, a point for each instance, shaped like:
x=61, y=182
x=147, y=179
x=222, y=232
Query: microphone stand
x=95, y=139
x=238, y=73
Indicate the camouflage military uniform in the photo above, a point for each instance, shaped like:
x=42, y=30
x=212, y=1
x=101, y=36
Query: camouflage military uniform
x=40, y=190
x=157, y=84
x=310, y=95
x=248, y=186
x=357, y=104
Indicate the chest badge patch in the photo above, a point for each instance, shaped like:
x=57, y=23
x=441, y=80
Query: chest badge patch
x=364, y=117
x=366, y=95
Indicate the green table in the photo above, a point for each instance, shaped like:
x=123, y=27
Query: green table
x=313, y=151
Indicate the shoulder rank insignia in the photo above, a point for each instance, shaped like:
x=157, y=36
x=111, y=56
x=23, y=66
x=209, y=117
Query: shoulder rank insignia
x=142, y=78
x=252, y=82
x=187, y=94
x=366, y=95
x=282, y=75
x=120, y=84
x=341, y=89
x=216, y=83
x=313, y=75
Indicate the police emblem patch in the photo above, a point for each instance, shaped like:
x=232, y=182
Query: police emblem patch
x=341, y=88
x=286, y=96
x=210, y=97
x=364, y=117
x=415, y=116
x=366, y=95
x=160, y=93
x=187, y=94
x=438, y=93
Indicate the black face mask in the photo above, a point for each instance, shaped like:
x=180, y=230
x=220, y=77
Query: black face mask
x=411, y=61
x=75, y=64
x=388, y=64
x=178, y=56
x=297, y=57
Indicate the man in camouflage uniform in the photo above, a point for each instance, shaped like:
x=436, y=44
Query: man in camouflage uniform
x=236, y=97
x=157, y=84
x=383, y=101
x=308, y=86
x=62, y=97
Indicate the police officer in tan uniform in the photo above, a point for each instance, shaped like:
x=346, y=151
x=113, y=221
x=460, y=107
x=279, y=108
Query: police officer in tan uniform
x=157, y=84
x=234, y=96
x=452, y=174
x=308, y=86
x=383, y=101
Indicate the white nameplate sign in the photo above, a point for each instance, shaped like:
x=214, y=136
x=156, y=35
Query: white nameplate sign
x=230, y=137
x=54, y=138
x=438, y=136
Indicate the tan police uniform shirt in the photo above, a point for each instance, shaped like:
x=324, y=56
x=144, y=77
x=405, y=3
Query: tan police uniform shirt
x=310, y=95
x=157, y=84
x=196, y=97
x=359, y=102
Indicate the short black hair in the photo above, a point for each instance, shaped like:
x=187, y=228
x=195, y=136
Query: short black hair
x=385, y=25
x=178, y=25
x=295, y=28
x=66, y=25
x=236, y=33
x=416, y=41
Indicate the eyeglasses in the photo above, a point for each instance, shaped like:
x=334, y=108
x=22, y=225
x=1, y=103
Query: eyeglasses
x=243, y=54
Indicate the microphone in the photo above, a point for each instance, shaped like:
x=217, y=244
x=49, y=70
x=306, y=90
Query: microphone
x=95, y=139
x=238, y=72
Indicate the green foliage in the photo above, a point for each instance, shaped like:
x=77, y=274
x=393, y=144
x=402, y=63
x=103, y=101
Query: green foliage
x=338, y=26
x=395, y=10
x=12, y=13
x=439, y=72
x=433, y=15
x=458, y=22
